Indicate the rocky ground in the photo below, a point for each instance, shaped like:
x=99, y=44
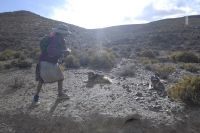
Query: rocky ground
x=127, y=105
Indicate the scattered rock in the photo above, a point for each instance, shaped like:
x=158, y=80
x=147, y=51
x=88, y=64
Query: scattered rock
x=139, y=94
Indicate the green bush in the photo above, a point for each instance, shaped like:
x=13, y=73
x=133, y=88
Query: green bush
x=190, y=67
x=186, y=90
x=71, y=61
x=186, y=57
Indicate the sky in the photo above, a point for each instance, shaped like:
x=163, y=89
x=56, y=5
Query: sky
x=92, y=14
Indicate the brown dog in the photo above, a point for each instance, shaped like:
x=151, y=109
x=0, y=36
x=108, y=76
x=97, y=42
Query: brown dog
x=94, y=78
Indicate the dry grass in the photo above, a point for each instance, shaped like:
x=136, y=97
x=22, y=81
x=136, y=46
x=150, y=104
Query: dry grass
x=163, y=70
x=187, y=90
x=190, y=67
x=186, y=57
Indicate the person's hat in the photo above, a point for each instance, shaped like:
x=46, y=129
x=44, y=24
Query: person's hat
x=61, y=28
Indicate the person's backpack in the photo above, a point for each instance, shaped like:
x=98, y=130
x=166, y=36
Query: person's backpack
x=50, y=46
x=44, y=44
x=53, y=49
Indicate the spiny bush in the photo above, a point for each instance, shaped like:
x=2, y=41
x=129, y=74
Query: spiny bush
x=186, y=57
x=186, y=90
x=127, y=71
x=190, y=67
x=163, y=70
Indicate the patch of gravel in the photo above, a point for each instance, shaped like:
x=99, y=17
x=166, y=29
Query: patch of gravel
x=126, y=100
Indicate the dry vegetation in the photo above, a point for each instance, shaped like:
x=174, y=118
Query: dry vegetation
x=102, y=60
x=186, y=90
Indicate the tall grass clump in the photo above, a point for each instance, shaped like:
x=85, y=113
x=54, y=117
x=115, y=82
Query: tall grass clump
x=190, y=67
x=9, y=54
x=186, y=57
x=186, y=90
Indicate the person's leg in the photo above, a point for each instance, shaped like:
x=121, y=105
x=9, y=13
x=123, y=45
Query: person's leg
x=60, y=87
x=39, y=87
x=36, y=96
x=61, y=95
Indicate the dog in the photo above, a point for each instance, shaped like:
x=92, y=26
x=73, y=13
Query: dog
x=157, y=85
x=95, y=78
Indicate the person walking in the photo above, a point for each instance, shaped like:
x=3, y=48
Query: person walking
x=48, y=70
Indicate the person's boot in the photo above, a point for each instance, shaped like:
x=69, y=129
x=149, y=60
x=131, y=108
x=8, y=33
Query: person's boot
x=36, y=100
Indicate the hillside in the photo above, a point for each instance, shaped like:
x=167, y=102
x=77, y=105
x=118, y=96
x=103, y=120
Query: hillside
x=23, y=30
x=130, y=56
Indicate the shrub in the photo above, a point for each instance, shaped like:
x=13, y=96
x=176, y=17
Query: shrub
x=148, y=53
x=127, y=71
x=99, y=60
x=163, y=70
x=7, y=54
x=71, y=61
x=147, y=61
x=187, y=90
x=21, y=63
x=190, y=67
x=84, y=59
x=103, y=60
x=24, y=63
x=34, y=54
x=186, y=57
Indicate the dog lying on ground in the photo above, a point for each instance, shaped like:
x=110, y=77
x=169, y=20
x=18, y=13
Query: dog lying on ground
x=95, y=78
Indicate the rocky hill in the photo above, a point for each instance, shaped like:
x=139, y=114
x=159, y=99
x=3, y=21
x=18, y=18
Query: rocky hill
x=23, y=30
x=132, y=103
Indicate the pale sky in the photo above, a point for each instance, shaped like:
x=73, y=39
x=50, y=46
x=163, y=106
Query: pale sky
x=104, y=13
